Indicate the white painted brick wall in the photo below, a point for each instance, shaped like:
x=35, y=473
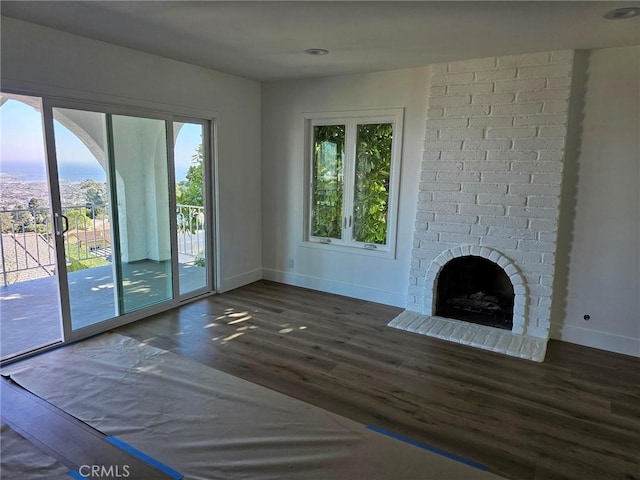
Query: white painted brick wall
x=492, y=172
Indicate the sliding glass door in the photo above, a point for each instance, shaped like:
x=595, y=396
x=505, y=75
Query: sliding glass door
x=30, y=314
x=193, y=205
x=139, y=182
x=117, y=229
x=84, y=220
x=142, y=239
x=125, y=229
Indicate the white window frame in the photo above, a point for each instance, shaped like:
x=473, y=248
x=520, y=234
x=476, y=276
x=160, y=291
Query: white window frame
x=351, y=119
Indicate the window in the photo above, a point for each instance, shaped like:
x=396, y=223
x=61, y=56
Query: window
x=353, y=170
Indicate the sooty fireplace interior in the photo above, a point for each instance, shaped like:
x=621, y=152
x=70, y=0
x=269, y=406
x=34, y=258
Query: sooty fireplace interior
x=474, y=289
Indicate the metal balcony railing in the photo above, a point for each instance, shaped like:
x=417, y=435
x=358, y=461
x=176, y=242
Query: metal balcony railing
x=190, y=220
x=27, y=250
x=26, y=245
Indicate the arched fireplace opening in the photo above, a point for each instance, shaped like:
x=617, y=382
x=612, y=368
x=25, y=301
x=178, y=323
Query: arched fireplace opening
x=476, y=290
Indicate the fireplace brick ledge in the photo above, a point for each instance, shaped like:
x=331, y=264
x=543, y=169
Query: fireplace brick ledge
x=479, y=336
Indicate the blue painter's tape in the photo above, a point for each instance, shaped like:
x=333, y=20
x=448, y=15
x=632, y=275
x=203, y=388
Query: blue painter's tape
x=144, y=457
x=76, y=474
x=424, y=446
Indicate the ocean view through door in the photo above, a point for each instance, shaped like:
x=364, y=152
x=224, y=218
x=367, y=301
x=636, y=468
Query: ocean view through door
x=87, y=229
x=124, y=216
x=123, y=238
x=30, y=311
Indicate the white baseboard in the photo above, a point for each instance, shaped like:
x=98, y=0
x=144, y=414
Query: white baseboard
x=229, y=283
x=339, y=288
x=596, y=339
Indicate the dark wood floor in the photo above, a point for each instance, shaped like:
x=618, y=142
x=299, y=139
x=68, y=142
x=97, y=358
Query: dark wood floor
x=576, y=416
x=66, y=439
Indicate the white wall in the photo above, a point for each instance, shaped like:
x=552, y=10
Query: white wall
x=40, y=60
x=599, y=234
x=600, y=217
x=261, y=216
x=284, y=104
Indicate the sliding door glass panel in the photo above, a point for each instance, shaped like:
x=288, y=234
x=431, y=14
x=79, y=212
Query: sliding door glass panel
x=140, y=190
x=80, y=139
x=81, y=154
x=191, y=217
x=29, y=293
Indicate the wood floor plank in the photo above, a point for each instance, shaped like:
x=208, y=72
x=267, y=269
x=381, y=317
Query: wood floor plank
x=573, y=417
x=65, y=438
x=538, y=427
x=533, y=396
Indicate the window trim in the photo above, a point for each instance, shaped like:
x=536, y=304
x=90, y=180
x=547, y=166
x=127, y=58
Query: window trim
x=351, y=119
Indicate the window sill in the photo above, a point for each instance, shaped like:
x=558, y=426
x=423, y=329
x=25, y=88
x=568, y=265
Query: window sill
x=379, y=253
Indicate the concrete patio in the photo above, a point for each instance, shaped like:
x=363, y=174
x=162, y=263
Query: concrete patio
x=29, y=315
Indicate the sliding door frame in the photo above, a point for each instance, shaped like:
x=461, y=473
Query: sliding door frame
x=55, y=207
x=210, y=187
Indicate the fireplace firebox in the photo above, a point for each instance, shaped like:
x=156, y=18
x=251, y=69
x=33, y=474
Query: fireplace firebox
x=476, y=290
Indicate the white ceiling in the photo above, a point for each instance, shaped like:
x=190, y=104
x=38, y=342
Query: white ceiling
x=266, y=40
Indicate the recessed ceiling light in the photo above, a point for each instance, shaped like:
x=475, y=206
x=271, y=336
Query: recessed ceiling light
x=622, y=13
x=316, y=51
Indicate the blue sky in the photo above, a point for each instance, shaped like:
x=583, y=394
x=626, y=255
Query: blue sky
x=22, y=147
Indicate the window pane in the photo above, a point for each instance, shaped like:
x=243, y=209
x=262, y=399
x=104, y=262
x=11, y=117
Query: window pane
x=372, y=174
x=191, y=218
x=328, y=154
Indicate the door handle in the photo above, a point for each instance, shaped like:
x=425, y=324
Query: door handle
x=62, y=224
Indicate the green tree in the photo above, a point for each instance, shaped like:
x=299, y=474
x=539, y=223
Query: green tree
x=34, y=203
x=95, y=194
x=39, y=212
x=6, y=222
x=78, y=219
x=327, y=188
x=23, y=219
x=191, y=190
x=373, y=173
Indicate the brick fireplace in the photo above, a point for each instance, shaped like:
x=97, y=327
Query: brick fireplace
x=490, y=188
